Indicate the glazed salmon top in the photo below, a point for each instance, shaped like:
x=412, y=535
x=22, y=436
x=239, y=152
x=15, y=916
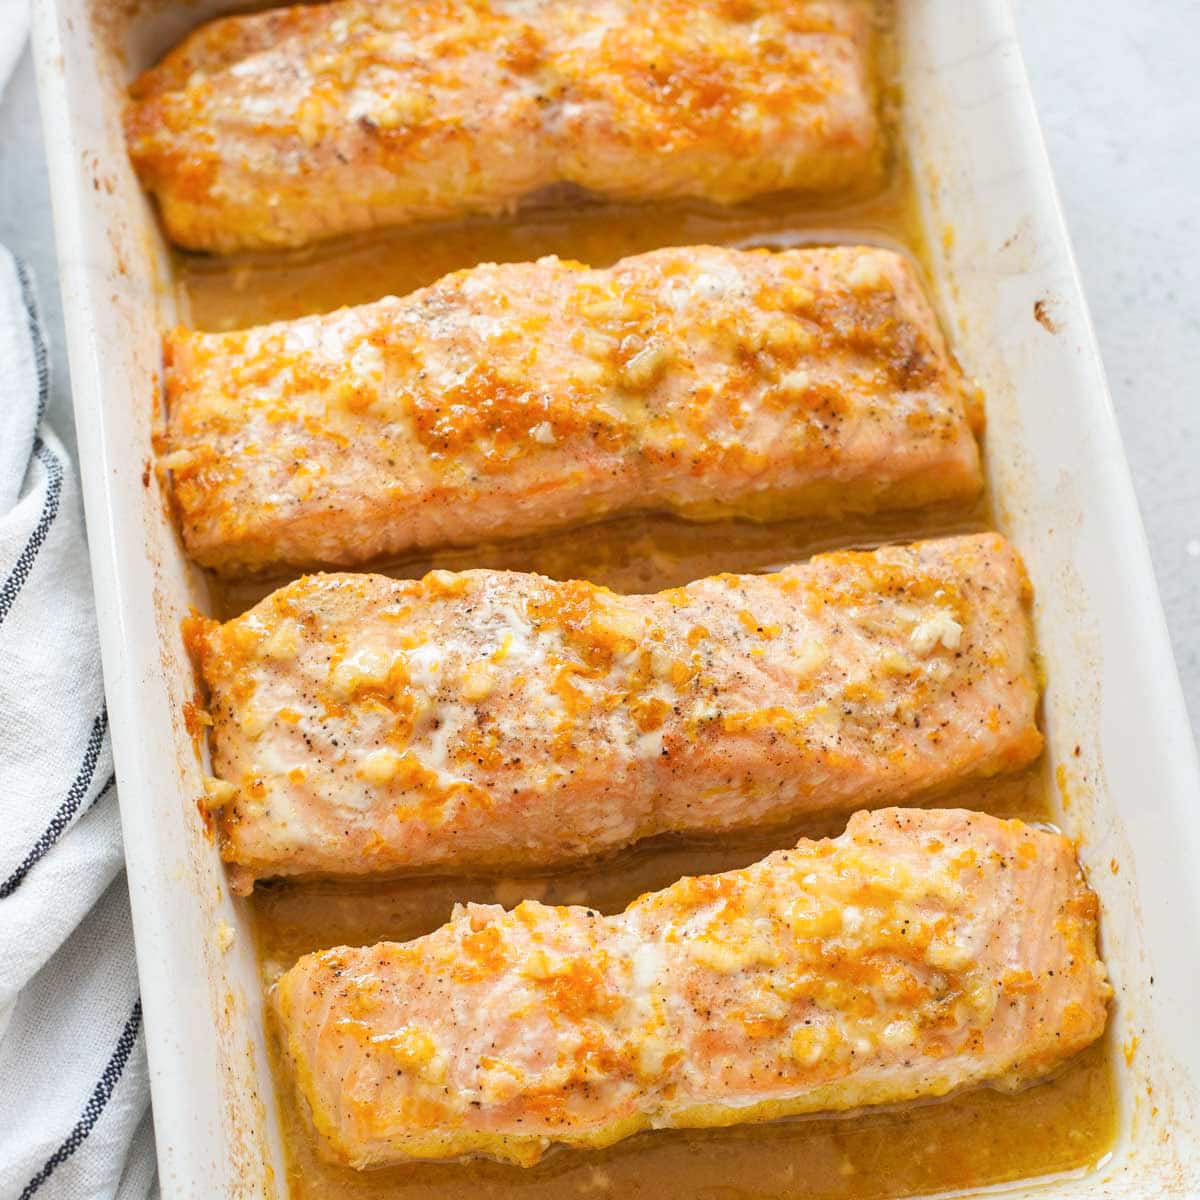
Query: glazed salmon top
x=918, y=953
x=279, y=128
x=508, y=399
x=362, y=724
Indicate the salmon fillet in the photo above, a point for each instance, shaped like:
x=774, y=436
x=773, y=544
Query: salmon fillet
x=504, y=400
x=296, y=124
x=488, y=719
x=919, y=953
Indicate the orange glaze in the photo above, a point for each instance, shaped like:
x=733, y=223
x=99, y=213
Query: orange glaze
x=300, y=123
x=964, y=1142
x=363, y=725
x=510, y=399
x=919, y=953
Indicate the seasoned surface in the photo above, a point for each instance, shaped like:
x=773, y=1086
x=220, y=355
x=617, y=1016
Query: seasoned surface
x=296, y=124
x=509, y=399
x=918, y=953
x=363, y=724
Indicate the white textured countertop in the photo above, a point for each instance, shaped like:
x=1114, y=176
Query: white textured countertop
x=1119, y=97
x=1118, y=93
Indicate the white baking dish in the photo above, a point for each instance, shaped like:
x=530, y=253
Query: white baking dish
x=1008, y=287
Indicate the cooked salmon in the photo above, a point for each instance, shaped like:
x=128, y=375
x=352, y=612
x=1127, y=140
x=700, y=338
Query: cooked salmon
x=283, y=127
x=488, y=719
x=505, y=400
x=919, y=953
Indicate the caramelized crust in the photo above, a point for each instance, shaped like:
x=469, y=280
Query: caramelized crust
x=919, y=953
x=509, y=399
x=287, y=126
x=487, y=719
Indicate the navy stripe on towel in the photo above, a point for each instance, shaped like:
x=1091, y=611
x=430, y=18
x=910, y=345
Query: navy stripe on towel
x=101, y=1094
x=25, y=560
x=67, y=809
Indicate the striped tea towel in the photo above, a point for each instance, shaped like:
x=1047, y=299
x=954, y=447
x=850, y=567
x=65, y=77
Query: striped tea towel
x=74, y=1096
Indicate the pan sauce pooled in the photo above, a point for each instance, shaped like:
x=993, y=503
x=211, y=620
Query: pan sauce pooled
x=965, y=1141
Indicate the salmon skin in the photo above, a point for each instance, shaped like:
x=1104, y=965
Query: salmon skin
x=507, y=400
x=922, y=952
x=288, y=126
x=491, y=720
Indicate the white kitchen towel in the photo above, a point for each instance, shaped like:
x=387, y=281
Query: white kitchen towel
x=74, y=1095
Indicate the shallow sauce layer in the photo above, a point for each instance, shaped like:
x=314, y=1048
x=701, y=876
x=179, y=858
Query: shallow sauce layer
x=965, y=1142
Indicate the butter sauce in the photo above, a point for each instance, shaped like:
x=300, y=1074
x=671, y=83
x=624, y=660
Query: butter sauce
x=978, y=1139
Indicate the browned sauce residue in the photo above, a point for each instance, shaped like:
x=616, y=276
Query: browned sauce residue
x=983, y=1138
x=1041, y=314
x=196, y=721
x=206, y=818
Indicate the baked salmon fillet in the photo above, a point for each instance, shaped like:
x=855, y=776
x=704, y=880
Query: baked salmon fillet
x=287, y=126
x=919, y=953
x=505, y=400
x=489, y=719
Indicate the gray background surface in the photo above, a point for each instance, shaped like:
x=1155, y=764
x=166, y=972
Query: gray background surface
x=1118, y=88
